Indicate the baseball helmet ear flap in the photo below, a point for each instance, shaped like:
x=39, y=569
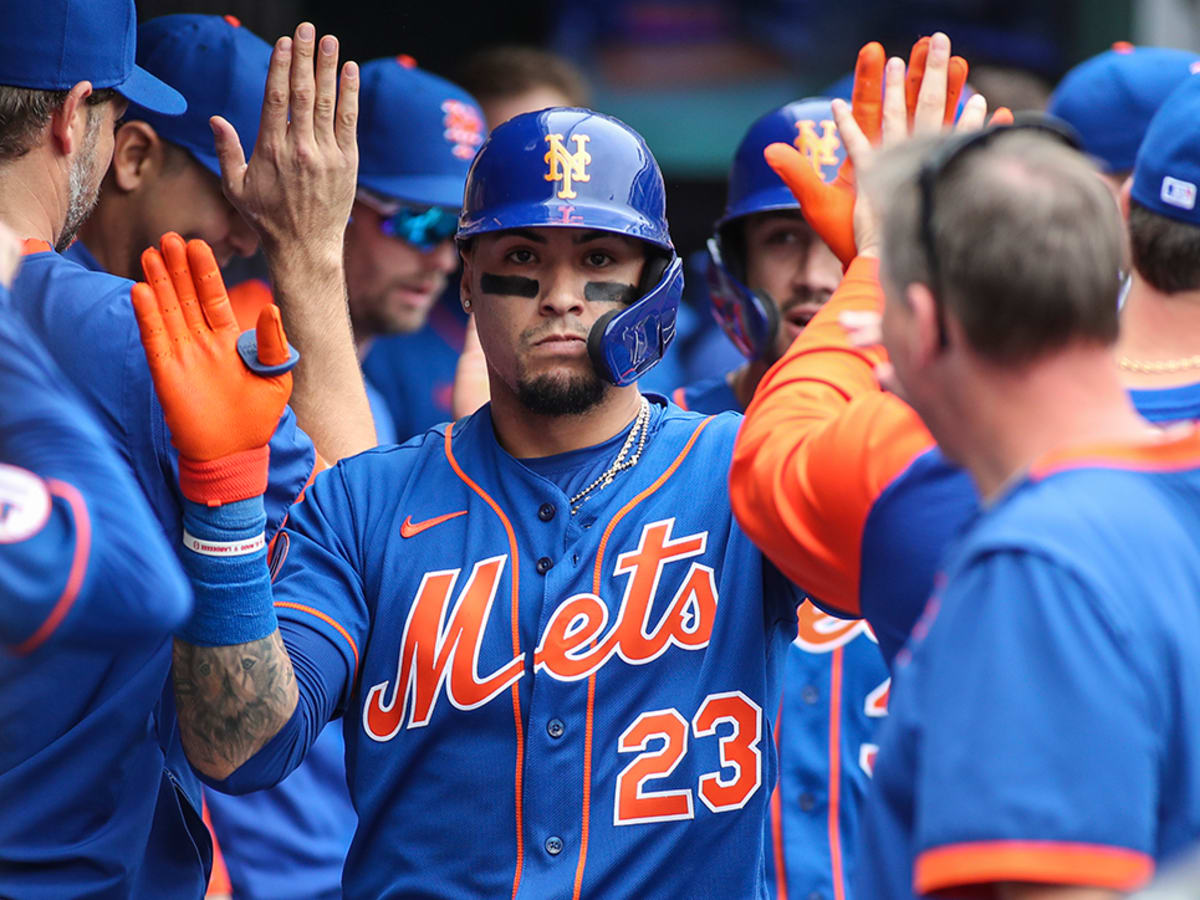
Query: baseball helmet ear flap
x=624, y=343
x=750, y=319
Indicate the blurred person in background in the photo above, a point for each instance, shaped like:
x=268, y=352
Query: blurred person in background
x=1110, y=99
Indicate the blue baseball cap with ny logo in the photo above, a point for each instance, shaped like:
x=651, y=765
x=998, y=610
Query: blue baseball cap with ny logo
x=52, y=45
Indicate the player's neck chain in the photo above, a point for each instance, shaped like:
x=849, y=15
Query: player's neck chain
x=1157, y=367
x=637, y=434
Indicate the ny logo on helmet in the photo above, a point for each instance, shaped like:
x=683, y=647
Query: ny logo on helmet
x=567, y=167
x=821, y=149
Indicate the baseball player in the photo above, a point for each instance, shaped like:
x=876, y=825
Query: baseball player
x=85, y=321
x=83, y=568
x=768, y=274
x=555, y=654
x=73, y=700
x=865, y=535
x=1041, y=740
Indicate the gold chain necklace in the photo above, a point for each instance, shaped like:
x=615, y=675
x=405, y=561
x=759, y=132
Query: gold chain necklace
x=1157, y=367
x=636, y=433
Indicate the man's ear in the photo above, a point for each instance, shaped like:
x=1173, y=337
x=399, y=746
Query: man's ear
x=925, y=334
x=137, y=151
x=1124, y=194
x=68, y=123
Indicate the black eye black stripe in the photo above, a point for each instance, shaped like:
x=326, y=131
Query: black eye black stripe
x=609, y=292
x=509, y=285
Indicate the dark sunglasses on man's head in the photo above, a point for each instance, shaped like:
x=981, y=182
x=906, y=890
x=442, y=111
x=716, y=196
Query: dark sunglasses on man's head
x=422, y=226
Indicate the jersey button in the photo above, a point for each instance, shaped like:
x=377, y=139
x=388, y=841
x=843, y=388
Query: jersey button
x=544, y=565
x=546, y=512
x=810, y=694
x=806, y=802
x=554, y=845
x=555, y=728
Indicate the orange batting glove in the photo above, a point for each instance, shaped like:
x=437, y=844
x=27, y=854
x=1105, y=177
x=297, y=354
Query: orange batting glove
x=829, y=208
x=220, y=413
x=956, y=78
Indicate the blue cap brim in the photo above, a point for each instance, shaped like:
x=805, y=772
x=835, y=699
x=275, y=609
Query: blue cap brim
x=144, y=89
x=427, y=190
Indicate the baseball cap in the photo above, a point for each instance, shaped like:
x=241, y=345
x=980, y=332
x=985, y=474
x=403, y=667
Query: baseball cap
x=1166, y=175
x=1110, y=98
x=218, y=66
x=52, y=45
x=417, y=133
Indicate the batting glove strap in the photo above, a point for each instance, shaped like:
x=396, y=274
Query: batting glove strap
x=228, y=479
x=226, y=559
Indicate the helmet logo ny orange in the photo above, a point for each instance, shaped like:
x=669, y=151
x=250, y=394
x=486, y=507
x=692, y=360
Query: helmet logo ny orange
x=567, y=167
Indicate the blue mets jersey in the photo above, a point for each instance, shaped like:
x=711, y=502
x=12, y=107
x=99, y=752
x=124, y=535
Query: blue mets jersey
x=1044, y=721
x=835, y=690
x=85, y=320
x=90, y=592
x=537, y=703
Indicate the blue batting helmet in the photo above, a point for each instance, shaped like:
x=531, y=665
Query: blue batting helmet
x=750, y=319
x=575, y=168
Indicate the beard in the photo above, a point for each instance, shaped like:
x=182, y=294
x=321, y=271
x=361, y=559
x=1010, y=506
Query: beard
x=558, y=395
x=82, y=193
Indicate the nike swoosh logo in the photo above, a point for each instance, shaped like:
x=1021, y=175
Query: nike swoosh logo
x=409, y=528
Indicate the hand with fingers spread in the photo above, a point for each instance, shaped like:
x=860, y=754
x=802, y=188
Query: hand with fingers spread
x=829, y=208
x=219, y=412
x=299, y=183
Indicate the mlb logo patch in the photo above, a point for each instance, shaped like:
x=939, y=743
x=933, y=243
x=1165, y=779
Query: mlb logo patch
x=1178, y=193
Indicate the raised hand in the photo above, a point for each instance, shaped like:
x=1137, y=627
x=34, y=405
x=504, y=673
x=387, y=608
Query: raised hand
x=214, y=405
x=299, y=183
x=829, y=208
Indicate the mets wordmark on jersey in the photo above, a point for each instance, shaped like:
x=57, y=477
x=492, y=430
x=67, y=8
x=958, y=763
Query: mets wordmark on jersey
x=545, y=704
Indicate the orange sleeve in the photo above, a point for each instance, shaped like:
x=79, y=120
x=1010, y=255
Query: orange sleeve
x=820, y=442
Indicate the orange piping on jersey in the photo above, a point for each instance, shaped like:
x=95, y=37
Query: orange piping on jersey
x=679, y=398
x=1181, y=452
x=821, y=441
x=30, y=246
x=777, y=819
x=835, y=771
x=591, y=699
x=1046, y=862
x=219, y=884
x=324, y=617
x=83, y=545
x=516, y=649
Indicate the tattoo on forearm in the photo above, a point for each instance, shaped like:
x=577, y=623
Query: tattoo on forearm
x=231, y=700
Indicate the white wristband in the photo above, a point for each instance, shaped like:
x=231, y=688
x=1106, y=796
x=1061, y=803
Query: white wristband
x=204, y=547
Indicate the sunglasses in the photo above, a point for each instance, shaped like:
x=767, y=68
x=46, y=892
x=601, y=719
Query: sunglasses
x=952, y=151
x=422, y=226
